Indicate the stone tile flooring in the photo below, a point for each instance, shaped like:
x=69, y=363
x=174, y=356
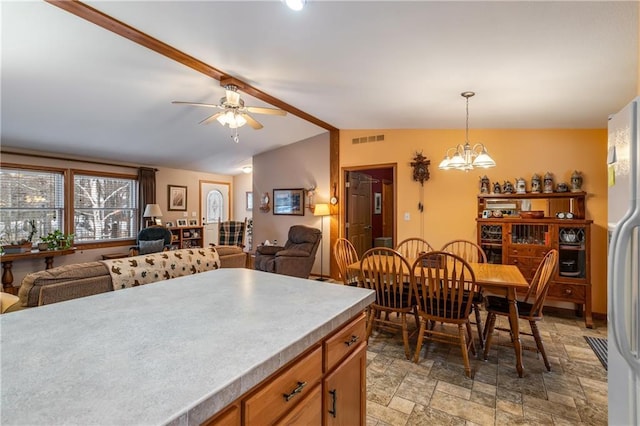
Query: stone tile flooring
x=436, y=392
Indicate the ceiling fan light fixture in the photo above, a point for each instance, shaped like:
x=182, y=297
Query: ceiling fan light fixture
x=296, y=5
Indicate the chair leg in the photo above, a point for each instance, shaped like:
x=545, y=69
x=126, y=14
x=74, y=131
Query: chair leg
x=538, y=339
x=372, y=318
x=405, y=335
x=472, y=345
x=476, y=310
x=465, y=353
x=421, y=331
x=488, y=328
x=415, y=314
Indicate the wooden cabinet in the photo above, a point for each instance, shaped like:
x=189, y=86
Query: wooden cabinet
x=326, y=385
x=345, y=391
x=511, y=239
x=186, y=237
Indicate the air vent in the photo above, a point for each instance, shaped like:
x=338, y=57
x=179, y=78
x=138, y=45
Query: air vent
x=367, y=139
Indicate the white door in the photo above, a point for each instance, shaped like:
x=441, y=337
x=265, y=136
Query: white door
x=214, y=206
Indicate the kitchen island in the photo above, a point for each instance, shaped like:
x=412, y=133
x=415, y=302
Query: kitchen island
x=173, y=352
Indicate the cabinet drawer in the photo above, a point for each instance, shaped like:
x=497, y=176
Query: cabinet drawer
x=344, y=342
x=308, y=412
x=519, y=250
x=520, y=262
x=270, y=401
x=568, y=292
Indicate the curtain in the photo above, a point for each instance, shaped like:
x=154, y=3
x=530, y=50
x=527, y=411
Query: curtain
x=147, y=191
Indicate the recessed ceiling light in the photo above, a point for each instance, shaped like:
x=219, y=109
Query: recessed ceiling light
x=295, y=4
x=247, y=169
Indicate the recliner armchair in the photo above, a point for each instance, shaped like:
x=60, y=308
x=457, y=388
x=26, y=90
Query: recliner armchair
x=151, y=240
x=297, y=256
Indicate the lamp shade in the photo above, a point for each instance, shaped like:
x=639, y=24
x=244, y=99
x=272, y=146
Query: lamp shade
x=321, y=210
x=152, y=210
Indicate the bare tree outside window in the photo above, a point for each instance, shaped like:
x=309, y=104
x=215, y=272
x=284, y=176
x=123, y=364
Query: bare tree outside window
x=105, y=208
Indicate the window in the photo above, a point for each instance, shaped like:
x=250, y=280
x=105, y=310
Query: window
x=104, y=207
x=30, y=195
x=215, y=204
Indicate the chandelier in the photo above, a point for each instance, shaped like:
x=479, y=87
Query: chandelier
x=465, y=157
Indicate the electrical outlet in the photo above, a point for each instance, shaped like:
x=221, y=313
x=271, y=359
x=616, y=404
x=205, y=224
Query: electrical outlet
x=185, y=214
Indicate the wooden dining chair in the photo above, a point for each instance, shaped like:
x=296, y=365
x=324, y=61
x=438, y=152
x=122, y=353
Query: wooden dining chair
x=412, y=247
x=387, y=272
x=346, y=254
x=472, y=253
x=444, y=285
x=529, y=309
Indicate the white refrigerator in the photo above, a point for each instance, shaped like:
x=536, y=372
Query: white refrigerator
x=623, y=283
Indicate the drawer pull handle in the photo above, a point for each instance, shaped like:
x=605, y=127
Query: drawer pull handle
x=297, y=390
x=333, y=410
x=568, y=291
x=351, y=341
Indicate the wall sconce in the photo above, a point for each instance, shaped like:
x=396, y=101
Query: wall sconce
x=311, y=192
x=264, y=203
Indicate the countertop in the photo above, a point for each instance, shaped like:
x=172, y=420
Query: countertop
x=176, y=351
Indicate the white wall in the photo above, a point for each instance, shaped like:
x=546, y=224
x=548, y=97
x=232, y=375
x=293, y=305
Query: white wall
x=300, y=165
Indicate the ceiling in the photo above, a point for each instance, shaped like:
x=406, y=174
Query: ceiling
x=71, y=87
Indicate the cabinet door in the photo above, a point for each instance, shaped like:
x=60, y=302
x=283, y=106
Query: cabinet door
x=229, y=417
x=573, y=249
x=345, y=391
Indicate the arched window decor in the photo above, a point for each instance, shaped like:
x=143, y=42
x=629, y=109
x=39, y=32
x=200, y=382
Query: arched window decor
x=215, y=206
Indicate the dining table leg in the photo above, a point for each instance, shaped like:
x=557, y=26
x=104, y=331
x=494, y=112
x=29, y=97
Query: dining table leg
x=515, y=329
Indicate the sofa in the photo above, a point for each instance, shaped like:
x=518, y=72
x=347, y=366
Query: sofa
x=85, y=279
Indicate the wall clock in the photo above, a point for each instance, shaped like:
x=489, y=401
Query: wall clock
x=420, y=166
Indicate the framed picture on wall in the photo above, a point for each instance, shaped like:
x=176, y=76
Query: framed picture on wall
x=177, y=197
x=377, y=203
x=288, y=202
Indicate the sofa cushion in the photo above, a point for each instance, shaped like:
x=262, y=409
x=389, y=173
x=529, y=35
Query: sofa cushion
x=29, y=292
x=144, y=269
x=152, y=246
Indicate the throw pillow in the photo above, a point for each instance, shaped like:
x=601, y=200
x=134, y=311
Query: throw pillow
x=152, y=246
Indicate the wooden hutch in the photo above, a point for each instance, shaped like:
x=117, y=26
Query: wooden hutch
x=509, y=238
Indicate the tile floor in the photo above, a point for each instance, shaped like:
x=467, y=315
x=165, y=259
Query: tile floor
x=436, y=392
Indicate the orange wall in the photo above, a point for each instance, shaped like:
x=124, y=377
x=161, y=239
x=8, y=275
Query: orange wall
x=450, y=196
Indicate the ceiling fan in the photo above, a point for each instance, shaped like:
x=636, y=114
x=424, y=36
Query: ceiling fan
x=233, y=112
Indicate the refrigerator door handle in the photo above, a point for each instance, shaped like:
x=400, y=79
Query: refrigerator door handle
x=619, y=249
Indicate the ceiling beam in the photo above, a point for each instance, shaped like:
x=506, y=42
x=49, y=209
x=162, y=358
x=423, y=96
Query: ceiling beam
x=109, y=23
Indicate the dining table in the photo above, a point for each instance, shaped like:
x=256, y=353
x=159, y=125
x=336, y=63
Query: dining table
x=502, y=280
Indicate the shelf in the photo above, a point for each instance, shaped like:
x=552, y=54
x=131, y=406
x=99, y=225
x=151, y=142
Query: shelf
x=525, y=241
x=536, y=195
x=179, y=240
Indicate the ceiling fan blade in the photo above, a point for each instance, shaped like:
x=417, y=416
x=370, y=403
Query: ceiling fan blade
x=252, y=122
x=263, y=110
x=211, y=118
x=196, y=104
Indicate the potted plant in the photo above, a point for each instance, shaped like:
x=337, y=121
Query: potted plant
x=24, y=244
x=56, y=240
